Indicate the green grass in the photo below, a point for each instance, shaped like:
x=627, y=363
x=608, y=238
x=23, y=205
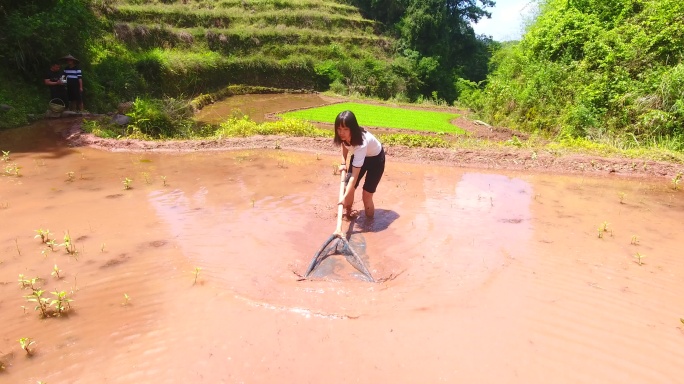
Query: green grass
x=381, y=116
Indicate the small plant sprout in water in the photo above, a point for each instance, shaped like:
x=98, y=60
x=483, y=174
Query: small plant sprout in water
x=43, y=234
x=60, y=302
x=635, y=240
x=196, y=272
x=676, y=180
x=70, y=176
x=27, y=344
x=42, y=303
x=27, y=283
x=639, y=256
x=51, y=244
x=13, y=169
x=5, y=155
x=622, y=197
x=127, y=300
x=163, y=180
x=127, y=183
x=102, y=249
x=604, y=228
x=68, y=244
x=56, y=272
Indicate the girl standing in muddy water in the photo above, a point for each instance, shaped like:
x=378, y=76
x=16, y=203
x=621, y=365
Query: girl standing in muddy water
x=368, y=158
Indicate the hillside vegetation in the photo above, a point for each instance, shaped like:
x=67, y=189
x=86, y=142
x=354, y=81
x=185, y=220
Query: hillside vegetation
x=605, y=71
x=402, y=50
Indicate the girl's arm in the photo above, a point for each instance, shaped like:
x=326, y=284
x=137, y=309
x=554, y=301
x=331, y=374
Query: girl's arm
x=348, y=198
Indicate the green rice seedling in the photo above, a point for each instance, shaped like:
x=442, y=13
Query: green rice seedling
x=43, y=234
x=61, y=302
x=277, y=144
x=635, y=240
x=5, y=156
x=51, y=244
x=318, y=156
x=163, y=180
x=12, y=169
x=622, y=197
x=604, y=228
x=42, y=303
x=126, y=183
x=127, y=300
x=27, y=344
x=56, y=272
x=196, y=272
x=27, y=283
x=70, y=176
x=676, y=180
x=639, y=256
x=102, y=248
x=68, y=244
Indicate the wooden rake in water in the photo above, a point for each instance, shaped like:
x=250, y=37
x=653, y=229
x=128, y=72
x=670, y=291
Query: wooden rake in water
x=337, y=244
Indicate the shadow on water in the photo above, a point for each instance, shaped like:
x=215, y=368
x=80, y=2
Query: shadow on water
x=42, y=137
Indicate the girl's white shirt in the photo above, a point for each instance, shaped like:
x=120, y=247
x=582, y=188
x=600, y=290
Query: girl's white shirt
x=371, y=147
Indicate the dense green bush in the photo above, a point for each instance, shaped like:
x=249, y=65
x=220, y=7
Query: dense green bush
x=594, y=69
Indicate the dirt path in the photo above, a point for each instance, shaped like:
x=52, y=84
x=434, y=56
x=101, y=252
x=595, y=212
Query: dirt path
x=496, y=158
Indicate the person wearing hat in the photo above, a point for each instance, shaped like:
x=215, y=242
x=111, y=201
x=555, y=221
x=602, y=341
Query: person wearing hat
x=74, y=82
x=53, y=79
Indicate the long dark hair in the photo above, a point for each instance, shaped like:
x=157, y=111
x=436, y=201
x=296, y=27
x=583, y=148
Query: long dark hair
x=348, y=119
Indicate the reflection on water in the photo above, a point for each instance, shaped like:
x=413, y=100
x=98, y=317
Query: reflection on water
x=492, y=276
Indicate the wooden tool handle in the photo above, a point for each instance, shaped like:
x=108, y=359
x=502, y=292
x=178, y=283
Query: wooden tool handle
x=340, y=207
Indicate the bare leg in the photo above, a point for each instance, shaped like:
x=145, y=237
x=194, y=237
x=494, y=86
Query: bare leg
x=368, y=205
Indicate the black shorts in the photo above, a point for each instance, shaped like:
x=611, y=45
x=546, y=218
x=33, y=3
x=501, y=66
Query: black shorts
x=74, y=92
x=373, y=167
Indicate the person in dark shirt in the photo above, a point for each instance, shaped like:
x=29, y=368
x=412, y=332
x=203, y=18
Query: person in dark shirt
x=55, y=82
x=74, y=83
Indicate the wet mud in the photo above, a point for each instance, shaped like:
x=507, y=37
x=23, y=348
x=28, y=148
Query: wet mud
x=194, y=273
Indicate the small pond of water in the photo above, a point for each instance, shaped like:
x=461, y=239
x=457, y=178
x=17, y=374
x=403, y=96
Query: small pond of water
x=491, y=277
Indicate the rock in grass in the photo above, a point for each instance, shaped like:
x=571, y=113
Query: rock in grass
x=5, y=107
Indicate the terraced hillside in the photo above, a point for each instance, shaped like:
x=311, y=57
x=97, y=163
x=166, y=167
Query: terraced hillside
x=192, y=46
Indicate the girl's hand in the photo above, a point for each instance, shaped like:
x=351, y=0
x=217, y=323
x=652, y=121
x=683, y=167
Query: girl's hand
x=341, y=167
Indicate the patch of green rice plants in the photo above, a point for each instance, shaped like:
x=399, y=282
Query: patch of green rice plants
x=244, y=127
x=413, y=141
x=369, y=115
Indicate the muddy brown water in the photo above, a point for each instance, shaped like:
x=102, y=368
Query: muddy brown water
x=256, y=107
x=493, y=277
